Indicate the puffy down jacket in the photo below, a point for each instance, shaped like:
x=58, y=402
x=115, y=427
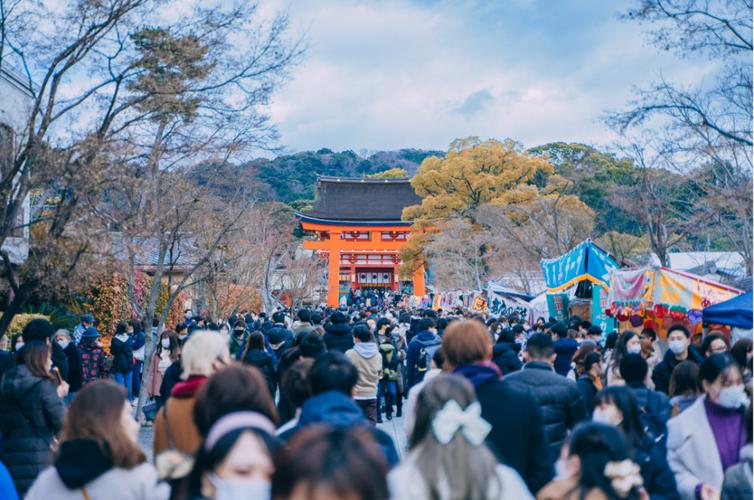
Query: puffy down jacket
x=559, y=399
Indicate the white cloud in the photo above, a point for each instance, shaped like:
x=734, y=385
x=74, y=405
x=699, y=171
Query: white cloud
x=392, y=74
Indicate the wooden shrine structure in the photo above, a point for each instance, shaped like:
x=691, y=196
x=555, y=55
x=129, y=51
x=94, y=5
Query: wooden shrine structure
x=356, y=225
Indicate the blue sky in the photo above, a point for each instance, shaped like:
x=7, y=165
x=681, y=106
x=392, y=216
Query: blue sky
x=389, y=74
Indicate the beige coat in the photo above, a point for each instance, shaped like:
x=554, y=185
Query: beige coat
x=370, y=373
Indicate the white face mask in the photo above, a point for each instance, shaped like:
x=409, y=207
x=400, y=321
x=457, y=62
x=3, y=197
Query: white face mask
x=165, y=343
x=238, y=489
x=732, y=397
x=63, y=343
x=633, y=349
x=677, y=346
x=561, y=470
x=606, y=416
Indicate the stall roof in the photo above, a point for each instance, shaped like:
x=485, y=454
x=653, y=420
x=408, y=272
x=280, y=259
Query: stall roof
x=734, y=312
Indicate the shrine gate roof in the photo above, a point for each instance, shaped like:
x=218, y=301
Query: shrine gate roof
x=356, y=199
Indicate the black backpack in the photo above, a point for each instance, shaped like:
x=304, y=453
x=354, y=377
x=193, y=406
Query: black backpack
x=426, y=351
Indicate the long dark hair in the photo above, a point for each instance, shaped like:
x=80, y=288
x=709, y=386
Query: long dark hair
x=255, y=342
x=623, y=398
x=620, y=351
x=175, y=345
x=685, y=380
x=596, y=445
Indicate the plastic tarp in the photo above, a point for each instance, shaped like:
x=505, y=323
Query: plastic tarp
x=734, y=312
x=586, y=261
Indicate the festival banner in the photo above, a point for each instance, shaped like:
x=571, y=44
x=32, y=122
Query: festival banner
x=557, y=305
x=599, y=305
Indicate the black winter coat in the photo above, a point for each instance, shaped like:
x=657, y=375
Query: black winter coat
x=517, y=437
x=31, y=414
x=263, y=361
x=588, y=392
x=656, y=406
x=74, y=367
x=59, y=360
x=506, y=358
x=558, y=398
x=123, y=355
x=338, y=337
x=664, y=369
x=659, y=480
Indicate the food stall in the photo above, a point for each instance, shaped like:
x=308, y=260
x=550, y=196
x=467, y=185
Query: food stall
x=657, y=297
x=578, y=282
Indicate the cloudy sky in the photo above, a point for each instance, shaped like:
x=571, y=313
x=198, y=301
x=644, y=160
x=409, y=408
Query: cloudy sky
x=389, y=74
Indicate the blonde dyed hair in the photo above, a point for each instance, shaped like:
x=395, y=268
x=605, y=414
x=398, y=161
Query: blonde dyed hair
x=200, y=352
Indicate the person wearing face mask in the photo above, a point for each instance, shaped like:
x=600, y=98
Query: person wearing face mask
x=98, y=455
x=706, y=439
x=166, y=353
x=122, y=350
x=31, y=414
x=618, y=407
x=64, y=340
x=595, y=465
x=679, y=339
x=92, y=356
x=235, y=461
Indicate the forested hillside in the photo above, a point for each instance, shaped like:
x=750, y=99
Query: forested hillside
x=289, y=178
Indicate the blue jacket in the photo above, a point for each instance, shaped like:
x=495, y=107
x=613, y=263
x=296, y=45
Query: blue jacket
x=338, y=410
x=412, y=356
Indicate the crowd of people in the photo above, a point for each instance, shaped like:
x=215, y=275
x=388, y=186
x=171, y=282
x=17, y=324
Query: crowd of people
x=288, y=407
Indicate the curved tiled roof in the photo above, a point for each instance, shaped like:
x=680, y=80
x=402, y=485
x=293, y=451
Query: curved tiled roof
x=356, y=199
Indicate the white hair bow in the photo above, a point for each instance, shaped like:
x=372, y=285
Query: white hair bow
x=452, y=418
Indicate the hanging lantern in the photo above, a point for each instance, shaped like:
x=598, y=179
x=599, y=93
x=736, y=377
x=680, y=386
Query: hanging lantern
x=661, y=311
x=622, y=314
x=695, y=316
x=636, y=320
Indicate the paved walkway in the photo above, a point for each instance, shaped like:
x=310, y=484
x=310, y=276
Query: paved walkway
x=393, y=427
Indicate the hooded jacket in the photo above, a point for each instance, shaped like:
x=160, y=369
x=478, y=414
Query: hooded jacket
x=122, y=350
x=31, y=414
x=338, y=410
x=82, y=466
x=338, y=337
x=506, y=358
x=366, y=357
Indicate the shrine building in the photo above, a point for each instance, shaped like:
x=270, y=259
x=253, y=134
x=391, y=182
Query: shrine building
x=356, y=225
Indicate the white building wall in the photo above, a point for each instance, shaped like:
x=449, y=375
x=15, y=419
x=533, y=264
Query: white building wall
x=15, y=103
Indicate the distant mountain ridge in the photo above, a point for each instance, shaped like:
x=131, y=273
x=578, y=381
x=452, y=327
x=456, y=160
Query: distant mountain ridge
x=292, y=177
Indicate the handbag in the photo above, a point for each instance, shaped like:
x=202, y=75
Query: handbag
x=172, y=463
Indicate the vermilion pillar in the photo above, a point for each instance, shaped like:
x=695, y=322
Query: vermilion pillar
x=333, y=270
x=419, y=282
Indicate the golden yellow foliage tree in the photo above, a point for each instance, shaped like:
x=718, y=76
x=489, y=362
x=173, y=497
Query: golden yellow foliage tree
x=472, y=174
